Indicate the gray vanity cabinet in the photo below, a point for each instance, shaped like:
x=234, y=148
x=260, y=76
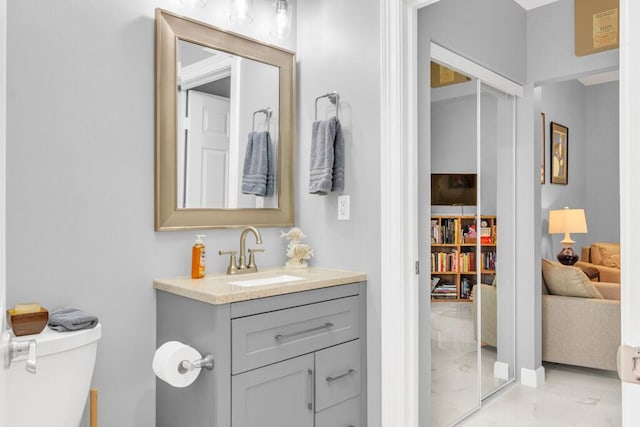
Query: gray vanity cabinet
x=275, y=395
x=292, y=360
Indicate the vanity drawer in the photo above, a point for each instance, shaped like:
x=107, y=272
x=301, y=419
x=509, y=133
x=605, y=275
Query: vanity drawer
x=338, y=374
x=345, y=414
x=271, y=337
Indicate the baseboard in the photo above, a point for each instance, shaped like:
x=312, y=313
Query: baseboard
x=501, y=370
x=531, y=378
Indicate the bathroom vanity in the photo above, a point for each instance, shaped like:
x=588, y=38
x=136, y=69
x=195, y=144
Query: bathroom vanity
x=287, y=352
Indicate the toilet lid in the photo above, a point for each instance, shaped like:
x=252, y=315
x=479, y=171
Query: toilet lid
x=50, y=341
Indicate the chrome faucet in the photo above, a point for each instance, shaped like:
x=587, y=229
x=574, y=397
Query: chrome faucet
x=242, y=266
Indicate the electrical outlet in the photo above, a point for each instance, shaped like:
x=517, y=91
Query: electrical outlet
x=343, y=208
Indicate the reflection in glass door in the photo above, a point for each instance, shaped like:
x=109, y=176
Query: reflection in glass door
x=496, y=189
x=454, y=344
x=471, y=216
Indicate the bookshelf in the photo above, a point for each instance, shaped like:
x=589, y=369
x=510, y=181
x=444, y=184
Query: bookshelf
x=454, y=255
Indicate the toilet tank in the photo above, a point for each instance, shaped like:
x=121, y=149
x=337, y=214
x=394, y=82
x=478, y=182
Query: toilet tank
x=56, y=395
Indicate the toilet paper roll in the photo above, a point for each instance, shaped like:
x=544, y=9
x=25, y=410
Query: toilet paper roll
x=167, y=359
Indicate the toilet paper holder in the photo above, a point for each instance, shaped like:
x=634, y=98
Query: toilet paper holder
x=206, y=362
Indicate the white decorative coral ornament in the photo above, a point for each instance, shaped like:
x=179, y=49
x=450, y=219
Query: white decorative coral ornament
x=297, y=252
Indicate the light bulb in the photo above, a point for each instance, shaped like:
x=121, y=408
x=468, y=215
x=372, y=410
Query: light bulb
x=240, y=11
x=193, y=3
x=281, y=27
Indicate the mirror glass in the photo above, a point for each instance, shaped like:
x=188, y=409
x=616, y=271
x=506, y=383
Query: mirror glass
x=225, y=114
x=472, y=243
x=454, y=340
x=496, y=314
x=227, y=137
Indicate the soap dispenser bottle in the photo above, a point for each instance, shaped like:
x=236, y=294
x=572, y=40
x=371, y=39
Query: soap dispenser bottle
x=198, y=257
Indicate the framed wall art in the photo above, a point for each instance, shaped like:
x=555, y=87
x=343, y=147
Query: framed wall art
x=543, y=144
x=559, y=136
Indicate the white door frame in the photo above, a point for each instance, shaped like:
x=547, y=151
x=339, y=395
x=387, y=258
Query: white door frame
x=402, y=395
x=629, y=205
x=3, y=198
x=402, y=392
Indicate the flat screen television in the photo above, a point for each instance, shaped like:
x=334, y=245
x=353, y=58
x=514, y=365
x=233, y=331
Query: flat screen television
x=453, y=189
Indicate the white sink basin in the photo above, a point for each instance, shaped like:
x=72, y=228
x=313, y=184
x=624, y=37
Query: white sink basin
x=266, y=281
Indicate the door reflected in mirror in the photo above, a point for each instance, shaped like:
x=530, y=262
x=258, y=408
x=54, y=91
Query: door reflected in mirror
x=227, y=133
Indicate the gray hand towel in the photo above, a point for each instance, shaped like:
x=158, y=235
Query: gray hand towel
x=71, y=319
x=337, y=183
x=326, y=169
x=257, y=174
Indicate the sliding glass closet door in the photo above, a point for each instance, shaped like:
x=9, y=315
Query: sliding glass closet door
x=472, y=242
x=496, y=245
x=454, y=341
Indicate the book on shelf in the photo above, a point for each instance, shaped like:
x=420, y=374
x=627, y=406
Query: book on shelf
x=489, y=260
x=467, y=262
x=452, y=262
x=434, y=282
x=445, y=291
x=442, y=262
x=444, y=232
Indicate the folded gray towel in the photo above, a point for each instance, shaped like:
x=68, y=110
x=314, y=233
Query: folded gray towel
x=257, y=174
x=326, y=169
x=71, y=319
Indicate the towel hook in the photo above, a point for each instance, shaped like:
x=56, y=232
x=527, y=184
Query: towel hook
x=266, y=111
x=334, y=97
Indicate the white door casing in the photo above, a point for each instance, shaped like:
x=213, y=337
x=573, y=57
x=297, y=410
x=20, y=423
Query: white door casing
x=207, y=164
x=629, y=201
x=3, y=192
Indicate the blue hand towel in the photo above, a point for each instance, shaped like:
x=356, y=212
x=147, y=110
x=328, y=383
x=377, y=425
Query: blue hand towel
x=326, y=169
x=71, y=319
x=257, y=176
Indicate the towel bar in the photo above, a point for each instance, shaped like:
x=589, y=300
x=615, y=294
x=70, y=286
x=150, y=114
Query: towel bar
x=266, y=111
x=334, y=97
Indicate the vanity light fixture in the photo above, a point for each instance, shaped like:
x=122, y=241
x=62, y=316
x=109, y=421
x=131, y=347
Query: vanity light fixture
x=240, y=11
x=193, y=3
x=281, y=27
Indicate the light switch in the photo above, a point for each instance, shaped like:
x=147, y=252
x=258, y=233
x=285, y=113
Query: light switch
x=343, y=208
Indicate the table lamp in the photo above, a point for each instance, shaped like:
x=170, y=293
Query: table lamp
x=566, y=221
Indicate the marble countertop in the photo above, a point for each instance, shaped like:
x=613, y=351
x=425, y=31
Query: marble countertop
x=217, y=289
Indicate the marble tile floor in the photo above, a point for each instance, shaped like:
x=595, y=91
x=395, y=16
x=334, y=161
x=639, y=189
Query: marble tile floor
x=454, y=363
x=571, y=396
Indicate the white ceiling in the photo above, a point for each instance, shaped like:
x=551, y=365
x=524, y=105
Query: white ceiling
x=532, y=4
x=596, y=79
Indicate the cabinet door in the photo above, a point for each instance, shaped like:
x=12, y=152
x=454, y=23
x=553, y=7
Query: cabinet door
x=345, y=414
x=276, y=395
x=338, y=374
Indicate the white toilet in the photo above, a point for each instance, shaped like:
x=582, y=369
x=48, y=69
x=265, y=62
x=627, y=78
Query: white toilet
x=56, y=394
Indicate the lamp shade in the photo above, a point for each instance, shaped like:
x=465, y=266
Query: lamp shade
x=567, y=221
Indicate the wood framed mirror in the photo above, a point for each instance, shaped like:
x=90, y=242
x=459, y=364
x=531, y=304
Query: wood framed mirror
x=219, y=95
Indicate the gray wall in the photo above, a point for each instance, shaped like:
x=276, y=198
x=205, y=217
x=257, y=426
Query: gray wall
x=550, y=57
x=496, y=41
x=565, y=104
x=338, y=49
x=602, y=179
x=591, y=114
x=80, y=180
x=454, y=142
